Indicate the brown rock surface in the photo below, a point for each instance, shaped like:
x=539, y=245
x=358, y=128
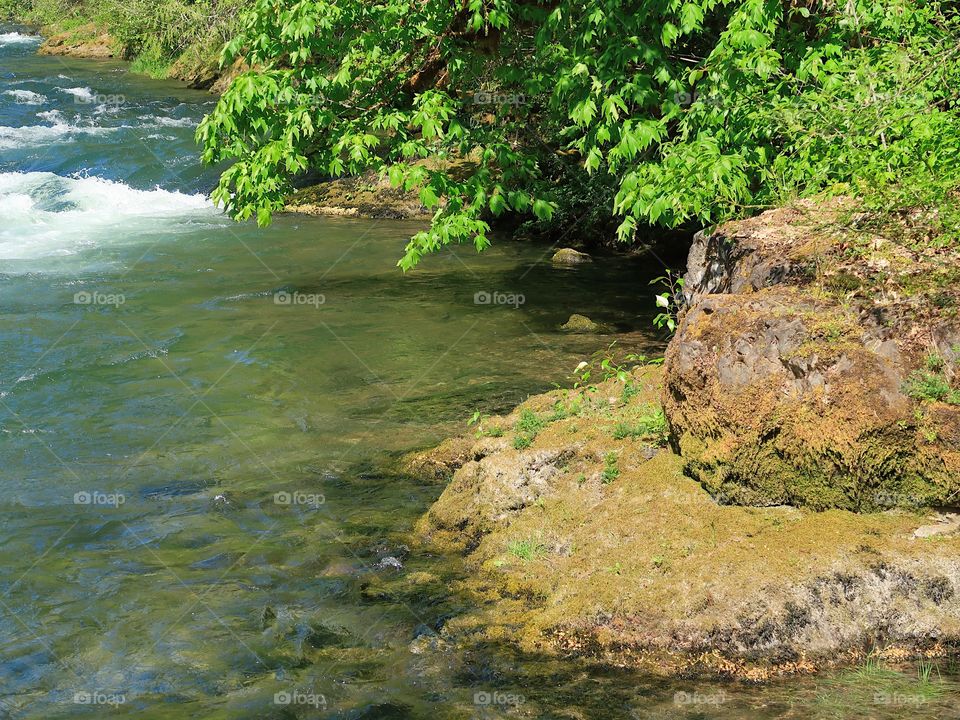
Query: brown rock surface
x=798, y=374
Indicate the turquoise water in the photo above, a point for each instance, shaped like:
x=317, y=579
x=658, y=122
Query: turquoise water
x=198, y=421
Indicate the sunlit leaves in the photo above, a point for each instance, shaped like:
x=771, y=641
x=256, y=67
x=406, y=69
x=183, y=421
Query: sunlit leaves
x=671, y=110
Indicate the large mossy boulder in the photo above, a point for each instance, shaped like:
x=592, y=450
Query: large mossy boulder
x=815, y=366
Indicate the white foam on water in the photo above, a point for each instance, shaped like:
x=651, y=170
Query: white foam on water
x=159, y=121
x=46, y=215
x=26, y=97
x=80, y=93
x=15, y=38
x=60, y=130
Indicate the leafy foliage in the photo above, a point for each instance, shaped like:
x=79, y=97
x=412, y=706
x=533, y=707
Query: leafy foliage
x=671, y=111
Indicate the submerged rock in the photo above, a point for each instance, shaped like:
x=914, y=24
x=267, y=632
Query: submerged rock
x=569, y=256
x=782, y=389
x=581, y=324
x=389, y=563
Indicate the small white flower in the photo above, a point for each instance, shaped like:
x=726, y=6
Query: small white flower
x=581, y=366
x=662, y=301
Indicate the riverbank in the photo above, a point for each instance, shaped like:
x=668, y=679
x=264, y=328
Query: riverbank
x=592, y=543
x=176, y=41
x=608, y=521
x=197, y=66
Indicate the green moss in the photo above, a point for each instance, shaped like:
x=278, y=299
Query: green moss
x=656, y=553
x=843, y=282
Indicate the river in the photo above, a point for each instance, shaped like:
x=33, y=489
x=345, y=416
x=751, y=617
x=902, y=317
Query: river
x=198, y=421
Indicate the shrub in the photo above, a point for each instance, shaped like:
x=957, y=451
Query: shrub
x=658, y=111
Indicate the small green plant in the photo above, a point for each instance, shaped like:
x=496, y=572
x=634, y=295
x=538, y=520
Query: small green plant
x=669, y=301
x=650, y=426
x=607, y=367
x=526, y=549
x=872, y=669
x=930, y=386
x=581, y=375
x=522, y=442
x=611, y=469
x=630, y=391
x=935, y=363
x=526, y=428
x=529, y=422
x=562, y=410
x=925, y=669
x=479, y=419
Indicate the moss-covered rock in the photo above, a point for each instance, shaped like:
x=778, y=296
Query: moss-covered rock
x=781, y=390
x=581, y=324
x=639, y=566
x=569, y=256
x=368, y=196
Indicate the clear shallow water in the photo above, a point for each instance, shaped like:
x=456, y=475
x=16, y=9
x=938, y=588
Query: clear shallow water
x=196, y=418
